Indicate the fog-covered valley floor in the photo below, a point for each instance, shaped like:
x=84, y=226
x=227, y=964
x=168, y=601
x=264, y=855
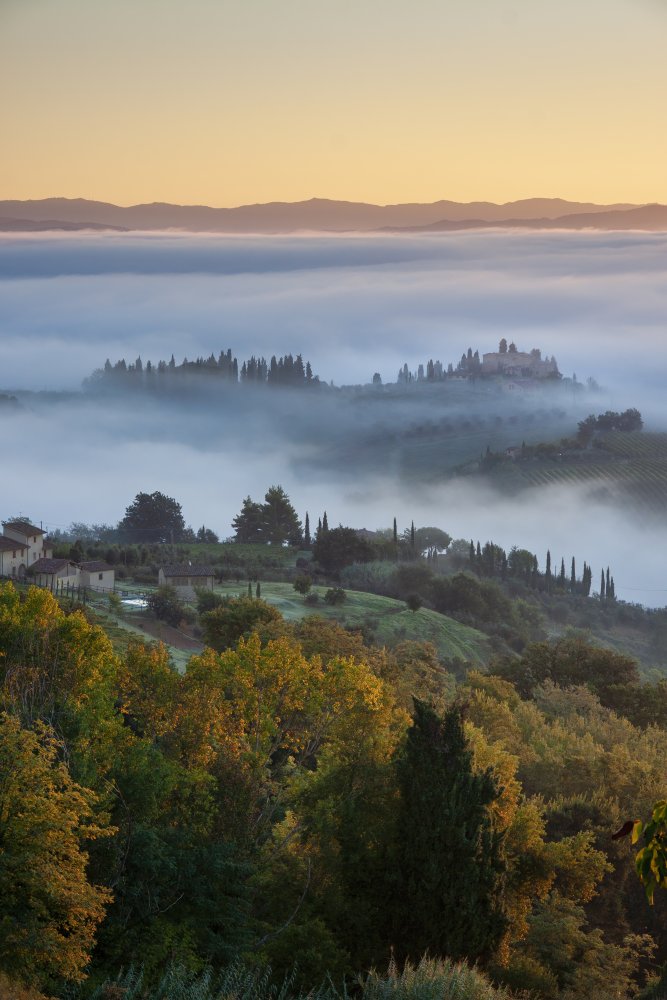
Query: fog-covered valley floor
x=352, y=306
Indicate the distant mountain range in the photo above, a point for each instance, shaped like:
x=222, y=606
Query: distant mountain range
x=321, y=214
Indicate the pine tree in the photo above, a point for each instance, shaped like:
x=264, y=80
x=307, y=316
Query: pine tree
x=450, y=870
x=306, y=532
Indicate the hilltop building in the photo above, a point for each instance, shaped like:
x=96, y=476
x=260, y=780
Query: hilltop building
x=518, y=364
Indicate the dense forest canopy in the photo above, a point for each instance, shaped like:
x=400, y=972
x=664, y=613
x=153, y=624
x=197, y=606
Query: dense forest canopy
x=278, y=800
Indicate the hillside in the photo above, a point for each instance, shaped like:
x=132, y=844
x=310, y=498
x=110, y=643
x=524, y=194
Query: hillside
x=387, y=619
x=630, y=468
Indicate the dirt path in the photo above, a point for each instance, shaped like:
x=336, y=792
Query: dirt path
x=165, y=633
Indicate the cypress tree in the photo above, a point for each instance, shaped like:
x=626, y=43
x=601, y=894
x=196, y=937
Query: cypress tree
x=249, y=589
x=450, y=870
x=395, y=532
x=306, y=532
x=258, y=590
x=573, y=578
x=472, y=551
x=602, y=594
x=561, y=579
x=412, y=536
x=607, y=582
x=325, y=524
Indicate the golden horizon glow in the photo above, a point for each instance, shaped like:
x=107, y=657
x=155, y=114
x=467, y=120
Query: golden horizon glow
x=230, y=102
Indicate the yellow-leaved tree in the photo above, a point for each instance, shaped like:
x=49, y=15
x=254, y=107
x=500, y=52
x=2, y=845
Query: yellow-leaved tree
x=49, y=911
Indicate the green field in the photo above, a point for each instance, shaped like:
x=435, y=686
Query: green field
x=389, y=619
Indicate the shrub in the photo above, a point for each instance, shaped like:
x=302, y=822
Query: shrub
x=234, y=617
x=432, y=979
x=166, y=605
x=302, y=583
x=311, y=598
x=335, y=595
x=207, y=600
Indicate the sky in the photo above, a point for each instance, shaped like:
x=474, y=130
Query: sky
x=228, y=102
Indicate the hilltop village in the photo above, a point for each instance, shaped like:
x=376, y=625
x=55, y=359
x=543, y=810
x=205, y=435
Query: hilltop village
x=293, y=372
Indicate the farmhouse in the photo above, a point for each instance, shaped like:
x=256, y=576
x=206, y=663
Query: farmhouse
x=186, y=578
x=21, y=545
x=13, y=557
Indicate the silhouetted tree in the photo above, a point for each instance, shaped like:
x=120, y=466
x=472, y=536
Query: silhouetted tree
x=450, y=870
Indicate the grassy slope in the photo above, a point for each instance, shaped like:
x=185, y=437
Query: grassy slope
x=389, y=619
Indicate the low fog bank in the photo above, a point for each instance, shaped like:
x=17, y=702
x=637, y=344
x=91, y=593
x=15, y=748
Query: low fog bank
x=352, y=305
x=85, y=463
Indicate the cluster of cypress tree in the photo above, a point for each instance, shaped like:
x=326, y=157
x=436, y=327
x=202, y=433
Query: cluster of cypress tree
x=286, y=370
x=491, y=560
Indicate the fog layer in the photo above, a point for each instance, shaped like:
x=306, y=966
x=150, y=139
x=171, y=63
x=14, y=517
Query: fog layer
x=352, y=306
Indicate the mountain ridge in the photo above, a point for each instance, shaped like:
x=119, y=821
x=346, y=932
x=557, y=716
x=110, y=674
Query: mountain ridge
x=322, y=214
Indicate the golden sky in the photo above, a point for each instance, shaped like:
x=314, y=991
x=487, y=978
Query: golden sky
x=226, y=102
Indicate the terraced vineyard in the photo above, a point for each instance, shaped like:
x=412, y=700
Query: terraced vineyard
x=628, y=467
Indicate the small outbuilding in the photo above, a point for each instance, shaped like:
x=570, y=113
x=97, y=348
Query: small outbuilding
x=98, y=575
x=186, y=579
x=55, y=573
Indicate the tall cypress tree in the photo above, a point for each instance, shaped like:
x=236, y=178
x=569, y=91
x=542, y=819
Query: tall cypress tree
x=395, y=532
x=561, y=579
x=306, y=532
x=573, y=578
x=450, y=869
x=325, y=524
x=602, y=593
x=412, y=536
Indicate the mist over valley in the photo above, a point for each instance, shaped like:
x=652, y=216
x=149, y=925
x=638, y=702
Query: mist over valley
x=353, y=306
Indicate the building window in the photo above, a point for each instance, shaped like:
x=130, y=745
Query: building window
x=100, y=576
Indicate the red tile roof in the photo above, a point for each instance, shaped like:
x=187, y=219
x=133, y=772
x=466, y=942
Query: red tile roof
x=10, y=543
x=23, y=526
x=188, y=570
x=49, y=565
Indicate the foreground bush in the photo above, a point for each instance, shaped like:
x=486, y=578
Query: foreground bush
x=431, y=979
